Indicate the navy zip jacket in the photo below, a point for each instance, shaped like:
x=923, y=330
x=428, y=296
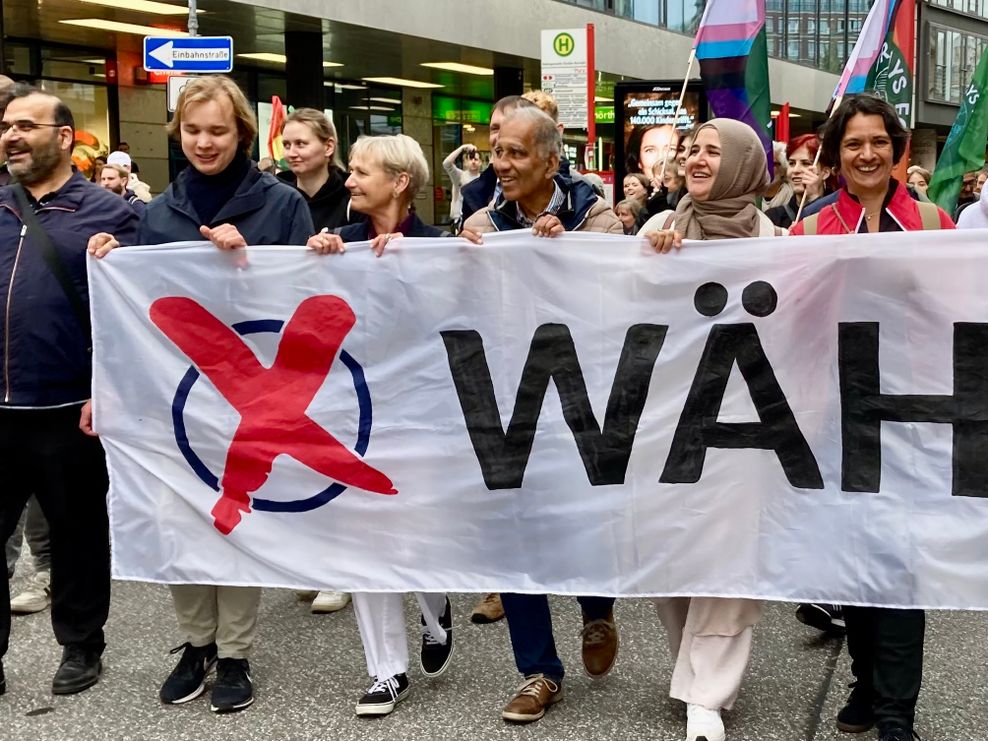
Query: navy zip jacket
x=361, y=232
x=264, y=210
x=46, y=353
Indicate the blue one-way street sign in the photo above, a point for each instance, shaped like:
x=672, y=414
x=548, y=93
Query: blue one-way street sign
x=188, y=54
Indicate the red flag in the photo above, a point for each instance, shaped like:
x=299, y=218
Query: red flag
x=782, y=124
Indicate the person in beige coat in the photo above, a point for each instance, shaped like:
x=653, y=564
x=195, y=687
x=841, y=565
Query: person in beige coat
x=710, y=637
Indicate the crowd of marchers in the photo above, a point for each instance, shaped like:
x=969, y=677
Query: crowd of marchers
x=710, y=182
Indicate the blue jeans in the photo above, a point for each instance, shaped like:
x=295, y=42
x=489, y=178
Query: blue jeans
x=530, y=627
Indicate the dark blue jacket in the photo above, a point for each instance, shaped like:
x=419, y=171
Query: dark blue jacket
x=361, y=232
x=478, y=193
x=264, y=210
x=46, y=358
x=135, y=202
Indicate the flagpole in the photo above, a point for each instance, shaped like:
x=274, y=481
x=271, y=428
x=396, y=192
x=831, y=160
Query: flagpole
x=816, y=160
x=675, y=115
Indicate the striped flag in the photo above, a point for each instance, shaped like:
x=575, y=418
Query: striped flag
x=275, y=145
x=867, y=49
x=733, y=53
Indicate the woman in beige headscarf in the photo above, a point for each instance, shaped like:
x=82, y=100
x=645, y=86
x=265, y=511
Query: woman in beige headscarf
x=726, y=171
x=709, y=637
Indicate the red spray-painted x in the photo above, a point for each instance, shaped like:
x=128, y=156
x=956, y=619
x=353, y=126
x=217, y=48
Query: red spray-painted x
x=271, y=402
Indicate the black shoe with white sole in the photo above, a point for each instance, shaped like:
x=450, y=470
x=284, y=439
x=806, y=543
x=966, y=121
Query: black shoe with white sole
x=435, y=656
x=826, y=617
x=234, y=689
x=188, y=679
x=382, y=696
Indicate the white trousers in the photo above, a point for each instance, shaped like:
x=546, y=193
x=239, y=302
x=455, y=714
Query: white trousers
x=381, y=621
x=710, y=640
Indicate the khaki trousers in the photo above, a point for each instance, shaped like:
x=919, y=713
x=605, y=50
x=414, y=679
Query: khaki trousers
x=710, y=641
x=224, y=615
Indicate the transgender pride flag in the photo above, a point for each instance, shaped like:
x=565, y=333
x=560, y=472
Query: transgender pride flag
x=733, y=54
x=866, y=49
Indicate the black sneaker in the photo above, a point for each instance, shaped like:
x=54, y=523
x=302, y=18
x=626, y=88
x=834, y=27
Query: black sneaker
x=435, y=655
x=896, y=732
x=80, y=669
x=826, y=617
x=234, y=689
x=382, y=696
x=3, y=680
x=858, y=714
x=188, y=680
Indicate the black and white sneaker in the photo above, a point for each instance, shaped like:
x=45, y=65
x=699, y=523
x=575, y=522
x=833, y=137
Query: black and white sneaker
x=822, y=616
x=188, y=680
x=382, y=696
x=435, y=656
x=234, y=689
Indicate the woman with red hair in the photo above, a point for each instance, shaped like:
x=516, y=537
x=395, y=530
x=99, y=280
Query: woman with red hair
x=804, y=176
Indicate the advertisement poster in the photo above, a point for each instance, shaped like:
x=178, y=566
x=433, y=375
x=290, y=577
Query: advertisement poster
x=647, y=125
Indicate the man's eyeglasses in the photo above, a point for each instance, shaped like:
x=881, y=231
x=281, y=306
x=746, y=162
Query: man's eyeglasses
x=25, y=127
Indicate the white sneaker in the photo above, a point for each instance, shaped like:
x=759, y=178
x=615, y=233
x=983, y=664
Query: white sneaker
x=330, y=602
x=35, y=597
x=703, y=724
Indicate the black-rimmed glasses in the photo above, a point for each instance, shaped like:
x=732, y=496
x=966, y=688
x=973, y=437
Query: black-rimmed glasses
x=25, y=126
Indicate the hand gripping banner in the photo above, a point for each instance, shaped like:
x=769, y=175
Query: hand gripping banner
x=801, y=419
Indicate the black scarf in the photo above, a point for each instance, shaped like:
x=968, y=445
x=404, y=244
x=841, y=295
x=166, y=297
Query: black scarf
x=209, y=193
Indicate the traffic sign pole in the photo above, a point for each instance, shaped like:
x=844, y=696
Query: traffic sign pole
x=193, y=19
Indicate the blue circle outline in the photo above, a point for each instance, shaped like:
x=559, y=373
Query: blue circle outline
x=270, y=505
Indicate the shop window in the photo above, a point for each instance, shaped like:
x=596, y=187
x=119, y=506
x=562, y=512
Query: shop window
x=89, y=107
x=955, y=56
x=73, y=65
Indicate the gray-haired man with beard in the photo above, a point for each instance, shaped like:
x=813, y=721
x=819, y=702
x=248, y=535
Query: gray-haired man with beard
x=46, y=218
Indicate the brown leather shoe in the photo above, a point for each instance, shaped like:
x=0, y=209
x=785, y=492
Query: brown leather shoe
x=600, y=645
x=488, y=610
x=535, y=694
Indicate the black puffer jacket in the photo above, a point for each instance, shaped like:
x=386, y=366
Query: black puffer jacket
x=330, y=205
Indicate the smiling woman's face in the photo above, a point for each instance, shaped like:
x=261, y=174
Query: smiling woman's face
x=703, y=164
x=866, y=154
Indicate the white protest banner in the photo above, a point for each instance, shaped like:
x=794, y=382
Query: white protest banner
x=796, y=419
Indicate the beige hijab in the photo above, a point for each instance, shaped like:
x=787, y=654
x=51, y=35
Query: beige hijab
x=730, y=211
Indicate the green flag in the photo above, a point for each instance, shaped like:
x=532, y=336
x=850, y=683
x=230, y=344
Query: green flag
x=965, y=147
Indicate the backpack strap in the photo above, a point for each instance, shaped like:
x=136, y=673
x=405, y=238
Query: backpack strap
x=54, y=261
x=929, y=213
x=810, y=224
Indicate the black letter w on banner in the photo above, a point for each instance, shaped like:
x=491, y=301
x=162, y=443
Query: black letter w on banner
x=503, y=456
